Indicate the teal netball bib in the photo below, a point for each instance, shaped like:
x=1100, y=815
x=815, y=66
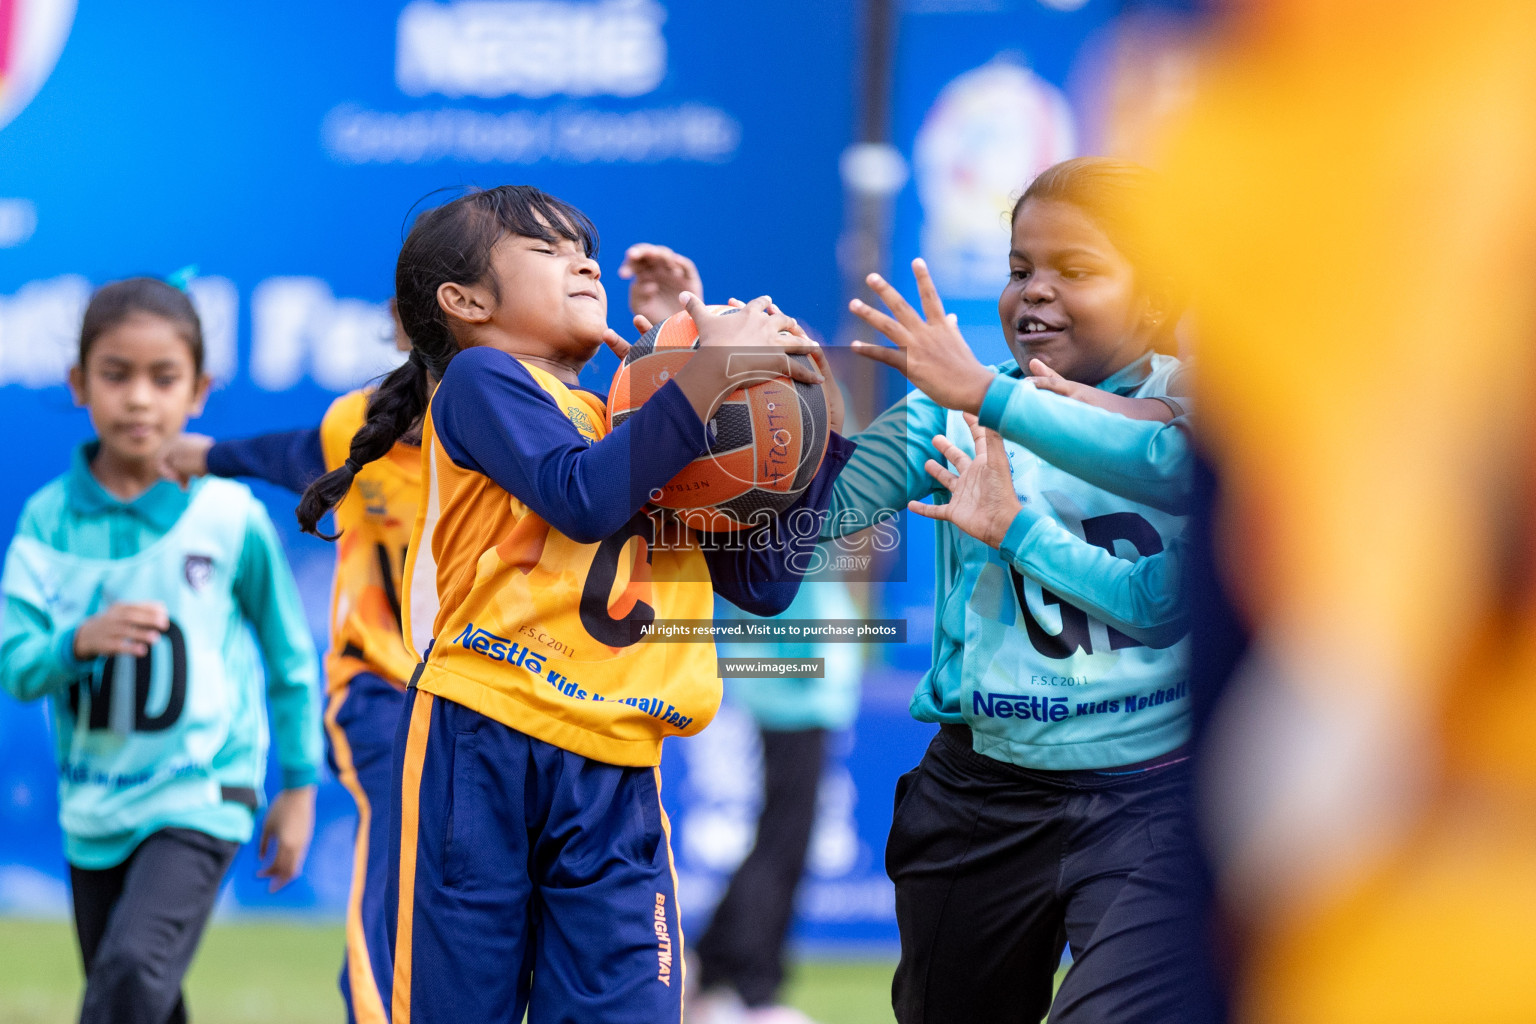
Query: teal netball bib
x=166, y=738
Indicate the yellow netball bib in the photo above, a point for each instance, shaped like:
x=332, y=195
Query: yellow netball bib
x=375, y=521
x=541, y=633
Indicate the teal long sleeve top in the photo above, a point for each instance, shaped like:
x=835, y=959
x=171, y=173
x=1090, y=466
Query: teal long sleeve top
x=1144, y=461
x=75, y=515
x=1081, y=601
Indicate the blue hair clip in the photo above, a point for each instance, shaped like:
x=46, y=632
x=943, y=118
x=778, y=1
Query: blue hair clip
x=183, y=277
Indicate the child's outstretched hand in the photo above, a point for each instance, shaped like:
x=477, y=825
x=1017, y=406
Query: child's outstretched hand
x=658, y=276
x=982, y=501
x=185, y=456
x=126, y=627
x=937, y=359
x=286, y=833
x=1047, y=379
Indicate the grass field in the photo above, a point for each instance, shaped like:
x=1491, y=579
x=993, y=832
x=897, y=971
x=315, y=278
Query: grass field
x=257, y=973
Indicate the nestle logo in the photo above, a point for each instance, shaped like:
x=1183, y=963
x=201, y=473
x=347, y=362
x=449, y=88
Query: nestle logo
x=1011, y=705
x=492, y=48
x=499, y=648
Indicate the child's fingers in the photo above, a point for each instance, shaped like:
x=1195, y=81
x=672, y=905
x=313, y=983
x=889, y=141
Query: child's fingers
x=165, y=466
x=670, y=261
x=1055, y=385
x=142, y=637
x=1047, y=379
x=124, y=637
x=149, y=614
x=978, y=435
x=138, y=632
x=794, y=325
x=747, y=367
x=276, y=875
x=619, y=345
x=632, y=258
x=933, y=306
x=788, y=326
x=819, y=357
x=930, y=511
x=649, y=251
x=795, y=345
x=891, y=357
x=989, y=445
x=952, y=452
x=805, y=373
x=638, y=255
x=684, y=265
x=949, y=481
x=285, y=865
x=880, y=322
x=899, y=307
x=1040, y=368
x=642, y=323
x=124, y=643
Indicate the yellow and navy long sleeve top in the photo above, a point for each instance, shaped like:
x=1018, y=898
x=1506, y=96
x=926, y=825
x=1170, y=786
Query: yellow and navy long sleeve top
x=535, y=564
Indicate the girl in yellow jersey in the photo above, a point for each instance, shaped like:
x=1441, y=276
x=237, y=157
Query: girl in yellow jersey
x=368, y=663
x=532, y=869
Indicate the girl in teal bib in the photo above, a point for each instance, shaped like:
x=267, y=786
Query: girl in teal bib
x=130, y=604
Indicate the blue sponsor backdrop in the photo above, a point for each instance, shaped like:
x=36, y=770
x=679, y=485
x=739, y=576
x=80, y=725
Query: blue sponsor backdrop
x=280, y=147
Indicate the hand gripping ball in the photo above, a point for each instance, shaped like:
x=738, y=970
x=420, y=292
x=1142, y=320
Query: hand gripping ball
x=766, y=440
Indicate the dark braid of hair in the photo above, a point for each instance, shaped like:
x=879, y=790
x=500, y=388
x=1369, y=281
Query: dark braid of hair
x=451, y=243
x=394, y=409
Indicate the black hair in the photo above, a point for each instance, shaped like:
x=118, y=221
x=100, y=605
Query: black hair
x=450, y=243
x=119, y=301
x=1116, y=195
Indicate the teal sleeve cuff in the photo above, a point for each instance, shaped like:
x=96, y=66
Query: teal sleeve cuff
x=64, y=654
x=996, y=402
x=1018, y=533
x=296, y=778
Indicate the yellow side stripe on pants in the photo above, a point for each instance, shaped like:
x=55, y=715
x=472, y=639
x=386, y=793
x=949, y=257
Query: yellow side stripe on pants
x=410, y=804
x=367, y=1004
